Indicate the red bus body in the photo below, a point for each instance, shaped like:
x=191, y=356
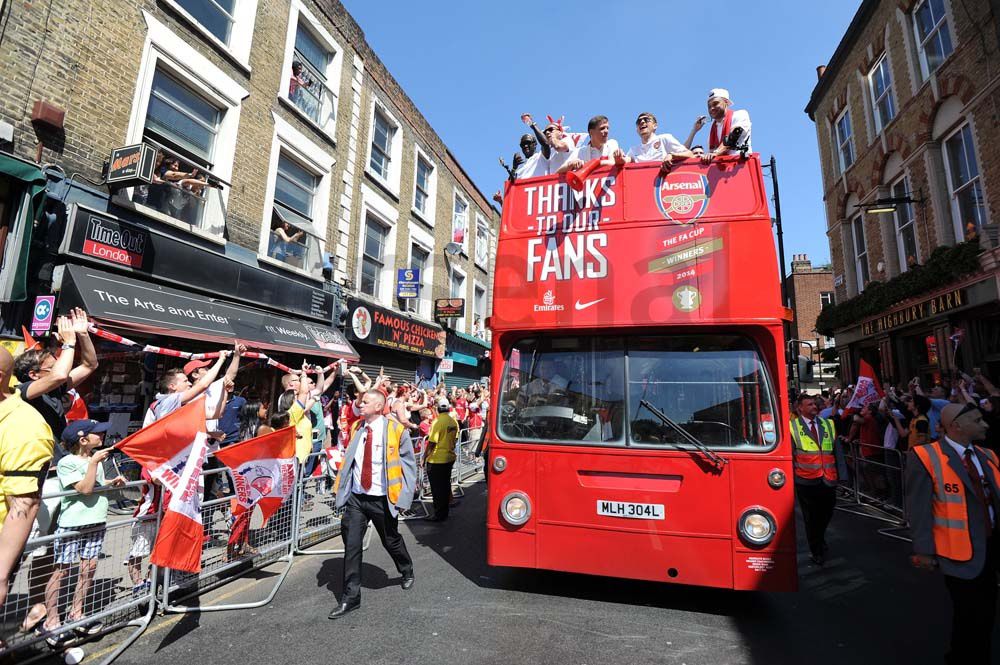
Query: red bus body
x=633, y=263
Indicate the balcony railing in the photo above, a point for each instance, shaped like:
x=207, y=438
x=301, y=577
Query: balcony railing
x=315, y=99
x=183, y=191
x=295, y=245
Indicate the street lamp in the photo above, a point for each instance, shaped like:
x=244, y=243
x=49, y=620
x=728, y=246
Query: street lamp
x=889, y=205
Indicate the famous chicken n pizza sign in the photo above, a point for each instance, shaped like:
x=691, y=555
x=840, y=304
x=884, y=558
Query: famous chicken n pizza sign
x=371, y=324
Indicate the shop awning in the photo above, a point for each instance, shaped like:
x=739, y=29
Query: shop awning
x=471, y=338
x=153, y=309
x=26, y=203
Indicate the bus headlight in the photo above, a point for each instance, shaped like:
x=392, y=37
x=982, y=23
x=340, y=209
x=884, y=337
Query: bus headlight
x=756, y=527
x=516, y=508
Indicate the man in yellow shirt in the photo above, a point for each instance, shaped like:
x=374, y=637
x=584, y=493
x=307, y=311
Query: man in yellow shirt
x=440, y=457
x=25, y=452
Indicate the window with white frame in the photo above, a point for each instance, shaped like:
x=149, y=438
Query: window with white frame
x=294, y=239
x=228, y=24
x=419, y=260
x=373, y=257
x=312, y=66
x=482, y=243
x=967, y=203
x=422, y=185
x=479, y=311
x=825, y=298
x=845, y=141
x=457, y=290
x=183, y=126
x=189, y=110
x=880, y=87
x=860, y=252
x=460, y=222
x=903, y=220
x=382, y=133
x=930, y=24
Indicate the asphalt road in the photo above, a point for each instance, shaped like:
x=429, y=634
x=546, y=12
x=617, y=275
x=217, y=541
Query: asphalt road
x=865, y=606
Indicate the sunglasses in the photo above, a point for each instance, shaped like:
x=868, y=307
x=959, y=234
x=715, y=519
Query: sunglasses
x=643, y=121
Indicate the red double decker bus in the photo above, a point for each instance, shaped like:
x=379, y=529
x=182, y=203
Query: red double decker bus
x=638, y=382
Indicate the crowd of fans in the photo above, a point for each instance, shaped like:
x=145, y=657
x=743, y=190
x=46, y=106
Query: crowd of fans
x=48, y=444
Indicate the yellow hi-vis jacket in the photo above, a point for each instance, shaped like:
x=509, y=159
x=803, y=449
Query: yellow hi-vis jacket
x=814, y=461
x=393, y=467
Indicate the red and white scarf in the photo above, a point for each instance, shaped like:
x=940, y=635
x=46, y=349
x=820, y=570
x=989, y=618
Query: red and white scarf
x=714, y=141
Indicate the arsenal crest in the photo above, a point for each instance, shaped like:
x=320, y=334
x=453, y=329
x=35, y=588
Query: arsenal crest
x=682, y=197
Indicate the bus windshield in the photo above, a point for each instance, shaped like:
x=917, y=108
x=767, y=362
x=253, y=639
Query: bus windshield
x=590, y=390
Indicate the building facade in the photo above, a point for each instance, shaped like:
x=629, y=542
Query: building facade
x=906, y=122
x=286, y=181
x=810, y=289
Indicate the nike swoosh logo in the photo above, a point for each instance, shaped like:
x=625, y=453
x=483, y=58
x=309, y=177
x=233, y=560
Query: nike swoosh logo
x=585, y=305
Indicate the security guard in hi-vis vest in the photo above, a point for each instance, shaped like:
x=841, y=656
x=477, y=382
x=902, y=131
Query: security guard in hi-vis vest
x=815, y=473
x=953, y=502
x=376, y=480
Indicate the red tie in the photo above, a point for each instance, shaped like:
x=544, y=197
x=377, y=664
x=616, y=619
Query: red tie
x=814, y=431
x=366, y=468
x=980, y=487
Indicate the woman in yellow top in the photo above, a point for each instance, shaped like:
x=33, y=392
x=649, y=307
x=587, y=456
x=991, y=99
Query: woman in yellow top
x=440, y=457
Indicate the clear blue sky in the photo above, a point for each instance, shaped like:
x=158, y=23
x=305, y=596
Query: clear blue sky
x=473, y=67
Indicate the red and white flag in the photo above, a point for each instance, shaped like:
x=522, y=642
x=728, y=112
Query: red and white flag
x=867, y=389
x=173, y=451
x=264, y=471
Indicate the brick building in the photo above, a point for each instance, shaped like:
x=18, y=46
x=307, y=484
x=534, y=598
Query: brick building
x=292, y=177
x=907, y=126
x=810, y=289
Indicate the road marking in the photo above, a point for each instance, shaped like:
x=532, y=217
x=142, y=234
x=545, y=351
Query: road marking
x=156, y=626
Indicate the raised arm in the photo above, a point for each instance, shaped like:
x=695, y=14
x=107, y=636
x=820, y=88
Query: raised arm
x=85, y=347
x=543, y=143
x=59, y=373
x=699, y=122
x=202, y=384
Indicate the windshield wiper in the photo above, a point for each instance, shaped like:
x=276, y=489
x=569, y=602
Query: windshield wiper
x=717, y=461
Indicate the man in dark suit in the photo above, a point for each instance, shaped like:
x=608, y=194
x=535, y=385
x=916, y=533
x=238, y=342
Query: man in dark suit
x=375, y=481
x=953, y=502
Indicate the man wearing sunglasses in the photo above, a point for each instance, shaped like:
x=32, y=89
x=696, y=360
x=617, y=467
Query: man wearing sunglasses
x=953, y=503
x=663, y=148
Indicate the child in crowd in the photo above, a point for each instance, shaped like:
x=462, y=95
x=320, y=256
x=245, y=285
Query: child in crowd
x=82, y=520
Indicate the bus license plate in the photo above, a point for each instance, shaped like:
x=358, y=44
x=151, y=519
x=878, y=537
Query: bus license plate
x=636, y=511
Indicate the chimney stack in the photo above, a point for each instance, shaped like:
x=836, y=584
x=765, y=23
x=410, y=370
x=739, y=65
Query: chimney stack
x=820, y=70
x=801, y=263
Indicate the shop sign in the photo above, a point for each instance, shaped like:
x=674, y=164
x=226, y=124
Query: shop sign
x=447, y=366
x=408, y=283
x=41, y=317
x=449, y=308
x=382, y=327
x=115, y=241
x=131, y=165
x=926, y=309
x=838, y=280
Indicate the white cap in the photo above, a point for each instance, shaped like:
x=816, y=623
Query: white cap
x=444, y=404
x=719, y=92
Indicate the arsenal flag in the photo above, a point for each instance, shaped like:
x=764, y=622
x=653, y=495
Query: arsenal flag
x=263, y=469
x=867, y=390
x=173, y=451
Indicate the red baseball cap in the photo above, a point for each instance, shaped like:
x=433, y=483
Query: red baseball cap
x=195, y=364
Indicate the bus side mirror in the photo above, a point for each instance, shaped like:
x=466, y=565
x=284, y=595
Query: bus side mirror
x=485, y=367
x=805, y=370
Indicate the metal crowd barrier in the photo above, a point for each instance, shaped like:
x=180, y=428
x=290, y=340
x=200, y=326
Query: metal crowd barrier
x=103, y=590
x=875, y=486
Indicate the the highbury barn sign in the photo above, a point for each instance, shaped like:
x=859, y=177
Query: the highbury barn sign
x=925, y=309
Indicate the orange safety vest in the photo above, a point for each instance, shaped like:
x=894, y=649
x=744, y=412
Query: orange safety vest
x=952, y=539
x=393, y=467
x=814, y=460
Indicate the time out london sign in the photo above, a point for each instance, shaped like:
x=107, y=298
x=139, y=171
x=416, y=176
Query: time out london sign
x=925, y=309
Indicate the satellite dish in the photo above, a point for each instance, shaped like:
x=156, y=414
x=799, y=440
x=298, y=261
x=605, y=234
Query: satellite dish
x=453, y=249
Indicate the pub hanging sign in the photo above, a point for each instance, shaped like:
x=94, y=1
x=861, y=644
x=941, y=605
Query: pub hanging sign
x=131, y=165
x=925, y=309
x=449, y=308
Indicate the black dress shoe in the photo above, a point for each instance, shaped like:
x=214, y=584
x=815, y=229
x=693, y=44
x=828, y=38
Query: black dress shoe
x=818, y=559
x=343, y=609
x=407, y=583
